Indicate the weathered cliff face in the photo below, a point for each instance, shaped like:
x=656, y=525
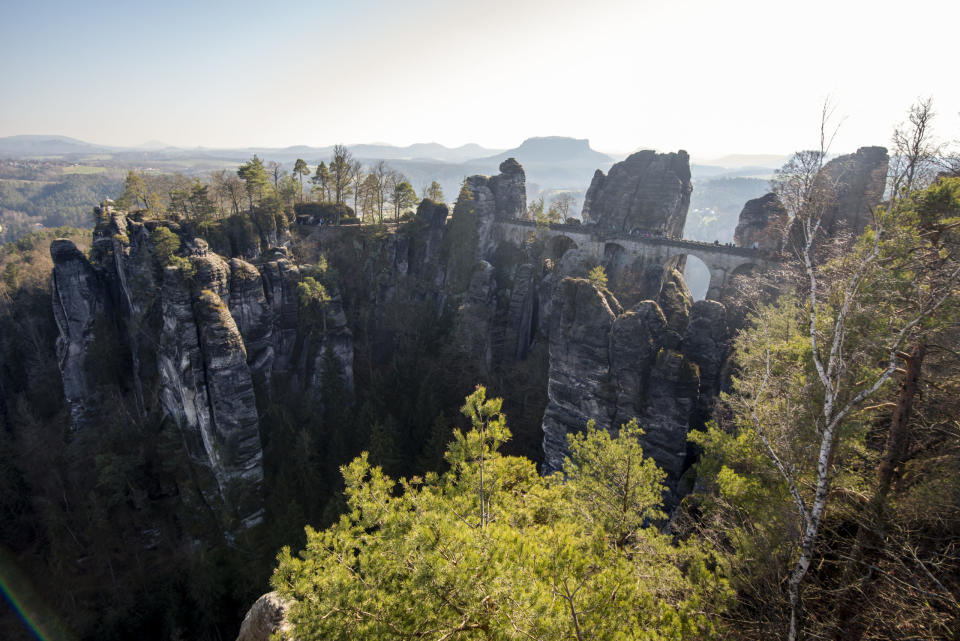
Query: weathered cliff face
x=580, y=386
x=388, y=281
x=131, y=249
x=648, y=191
x=475, y=316
x=206, y=387
x=706, y=343
x=855, y=183
x=610, y=366
x=279, y=277
x=253, y=316
x=762, y=223
x=521, y=325
x=78, y=295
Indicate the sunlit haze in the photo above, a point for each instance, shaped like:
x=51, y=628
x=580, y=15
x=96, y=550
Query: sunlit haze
x=712, y=77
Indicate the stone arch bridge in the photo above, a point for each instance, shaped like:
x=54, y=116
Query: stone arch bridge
x=723, y=261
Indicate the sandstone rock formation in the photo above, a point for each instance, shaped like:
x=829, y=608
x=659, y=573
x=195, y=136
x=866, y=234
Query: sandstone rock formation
x=225, y=327
x=521, y=323
x=610, y=366
x=212, y=333
x=503, y=196
x=433, y=214
x=762, y=223
x=675, y=300
x=706, y=344
x=252, y=314
x=647, y=192
x=475, y=316
x=207, y=388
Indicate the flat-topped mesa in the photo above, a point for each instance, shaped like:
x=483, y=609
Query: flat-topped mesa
x=648, y=191
x=762, y=224
x=855, y=182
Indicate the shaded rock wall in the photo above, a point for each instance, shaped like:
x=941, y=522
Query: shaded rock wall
x=609, y=366
x=207, y=389
x=580, y=387
x=78, y=302
x=207, y=332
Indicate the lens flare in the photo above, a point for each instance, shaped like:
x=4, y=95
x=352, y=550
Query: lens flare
x=37, y=618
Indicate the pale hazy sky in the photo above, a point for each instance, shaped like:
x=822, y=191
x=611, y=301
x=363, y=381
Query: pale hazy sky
x=709, y=76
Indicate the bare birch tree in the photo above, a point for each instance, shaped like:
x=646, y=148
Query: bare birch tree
x=914, y=161
x=846, y=372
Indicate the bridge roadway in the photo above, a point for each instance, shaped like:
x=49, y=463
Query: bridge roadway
x=620, y=250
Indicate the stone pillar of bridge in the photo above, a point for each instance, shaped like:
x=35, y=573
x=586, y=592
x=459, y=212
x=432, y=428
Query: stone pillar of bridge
x=718, y=278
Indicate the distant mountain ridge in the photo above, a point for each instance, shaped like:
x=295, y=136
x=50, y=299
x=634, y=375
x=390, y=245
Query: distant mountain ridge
x=55, y=145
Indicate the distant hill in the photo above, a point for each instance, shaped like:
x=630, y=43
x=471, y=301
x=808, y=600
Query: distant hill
x=32, y=146
x=43, y=145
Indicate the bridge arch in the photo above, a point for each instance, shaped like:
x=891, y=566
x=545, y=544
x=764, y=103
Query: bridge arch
x=615, y=259
x=704, y=275
x=559, y=245
x=697, y=275
x=744, y=269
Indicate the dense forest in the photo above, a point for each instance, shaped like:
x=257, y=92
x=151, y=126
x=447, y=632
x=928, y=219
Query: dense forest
x=406, y=432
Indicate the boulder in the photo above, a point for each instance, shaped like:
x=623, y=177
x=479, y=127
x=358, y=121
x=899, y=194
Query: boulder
x=266, y=616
